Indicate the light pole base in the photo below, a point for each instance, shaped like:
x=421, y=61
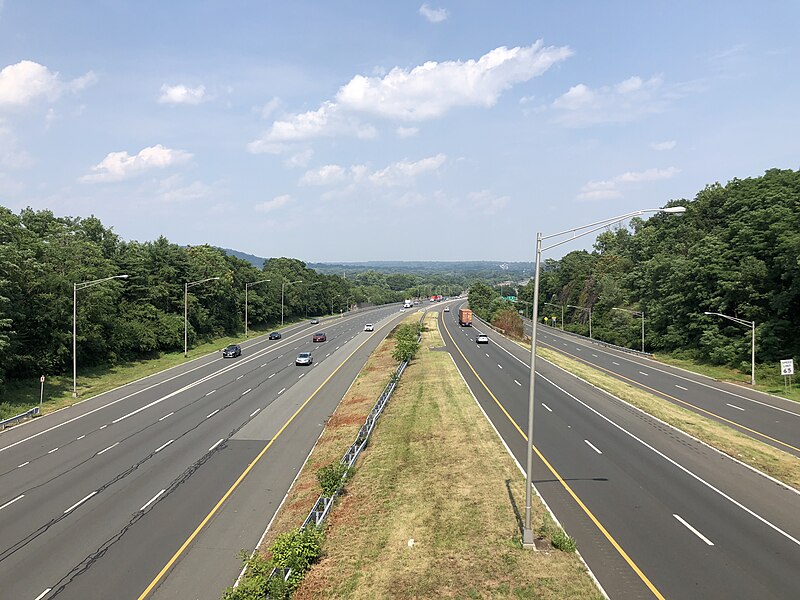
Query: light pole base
x=527, y=539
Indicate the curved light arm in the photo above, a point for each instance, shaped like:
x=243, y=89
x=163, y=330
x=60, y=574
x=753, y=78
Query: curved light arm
x=633, y=312
x=598, y=225
x=734, y=319
x=85, y=284
x=193, y=283
x=251, y=284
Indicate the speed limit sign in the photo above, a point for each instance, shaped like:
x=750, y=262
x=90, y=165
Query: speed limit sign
x=787, y=367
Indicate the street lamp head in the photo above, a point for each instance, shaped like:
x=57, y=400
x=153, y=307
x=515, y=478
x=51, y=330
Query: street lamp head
x=123, y=276
x=675, y=210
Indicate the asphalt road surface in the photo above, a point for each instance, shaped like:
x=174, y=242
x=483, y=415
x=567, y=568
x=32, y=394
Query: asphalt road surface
x=654, y=512
x=139, y=492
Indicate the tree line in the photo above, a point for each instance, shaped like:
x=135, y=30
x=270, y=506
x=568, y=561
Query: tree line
x=736, y=251
x=42, y=256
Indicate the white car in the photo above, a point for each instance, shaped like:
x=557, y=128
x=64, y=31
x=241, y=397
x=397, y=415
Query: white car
x=446, y=309
x=402, y=310
x=369, y=327
x=482, y=339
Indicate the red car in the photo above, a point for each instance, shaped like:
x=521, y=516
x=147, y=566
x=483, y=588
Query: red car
x=319, y=337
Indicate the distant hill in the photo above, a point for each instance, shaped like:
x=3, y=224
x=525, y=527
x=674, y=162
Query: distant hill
x=254, y=260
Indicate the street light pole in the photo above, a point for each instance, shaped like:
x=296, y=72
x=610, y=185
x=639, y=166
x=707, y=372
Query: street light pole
x=186, y=287
x=635, y=312
x=527, y=531
x=752, y=325
x=246, y=286
x=75, y=288
x=284, y=283
x=308, y=287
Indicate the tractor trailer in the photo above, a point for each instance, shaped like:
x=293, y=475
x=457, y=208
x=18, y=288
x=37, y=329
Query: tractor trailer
x=465, y=317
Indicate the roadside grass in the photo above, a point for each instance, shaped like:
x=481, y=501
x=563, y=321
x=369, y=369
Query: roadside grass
x=780, y=465
x=20, y=396
x=436, y=473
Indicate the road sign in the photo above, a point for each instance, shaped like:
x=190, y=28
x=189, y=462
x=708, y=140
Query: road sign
x=787, y=367
x=41, y=379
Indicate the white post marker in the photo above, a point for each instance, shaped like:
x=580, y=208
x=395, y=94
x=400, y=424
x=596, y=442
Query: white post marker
x=41, y=393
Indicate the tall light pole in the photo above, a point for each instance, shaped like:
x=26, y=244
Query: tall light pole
x=752, y=325
x=75, y=288
x=635, y=313
x=332, y=299
x=527, y=531
x=590, y=315
x=186, y=287
x=562, y=313
x=246, y=287
x=284, y=283
x=307, y=288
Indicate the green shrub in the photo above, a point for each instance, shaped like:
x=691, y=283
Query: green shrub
x=297, y=550
x=562, y=541
x=331, y=477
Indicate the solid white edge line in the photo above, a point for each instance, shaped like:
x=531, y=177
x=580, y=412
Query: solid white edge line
x=592, y=446
x=153, y=499
x=79, y=502
x=167, y=415
x=255, y=412
x=107, y=449
x=547, y=407
x=734, y=406
x=217, y=444
x=162, y=446
x=693, y=530
x=212, y=414
x=10, y=502
x=43, y=594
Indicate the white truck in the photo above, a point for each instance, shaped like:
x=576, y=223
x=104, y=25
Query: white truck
x=408, y=304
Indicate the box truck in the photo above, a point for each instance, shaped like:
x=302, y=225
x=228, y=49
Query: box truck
x=465, y=317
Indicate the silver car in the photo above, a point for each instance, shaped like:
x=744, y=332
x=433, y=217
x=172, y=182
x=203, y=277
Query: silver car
x=304, y=358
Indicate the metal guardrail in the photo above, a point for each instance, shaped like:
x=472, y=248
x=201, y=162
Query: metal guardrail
x=322, y=507
x=600, y=342
x=12, y=420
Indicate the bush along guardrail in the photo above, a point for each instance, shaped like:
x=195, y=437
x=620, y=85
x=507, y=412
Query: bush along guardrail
x=13, y=420
x=294, y=552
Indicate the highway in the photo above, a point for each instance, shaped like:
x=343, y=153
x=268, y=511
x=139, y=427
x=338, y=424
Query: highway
x=121, y=496
x=770, y=419
x=655, y=514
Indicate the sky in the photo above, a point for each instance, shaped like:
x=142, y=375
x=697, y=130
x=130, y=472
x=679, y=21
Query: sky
x=387, y=130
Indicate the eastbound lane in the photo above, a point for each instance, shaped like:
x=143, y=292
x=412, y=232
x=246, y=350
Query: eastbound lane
x=109, y=496
x=654, y=513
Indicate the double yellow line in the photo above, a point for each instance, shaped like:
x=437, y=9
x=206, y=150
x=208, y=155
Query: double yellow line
x=241, y=477
x=560, y=479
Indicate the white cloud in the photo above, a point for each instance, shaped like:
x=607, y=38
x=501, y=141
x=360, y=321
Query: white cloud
x=181, y=94
x=270, y=107
x=275, y=203
x=661, y=146
x=486, y=202
x=117, y=166
x=432, y=89
x=401, y=173
x=628, y=100
x=300, y=159
x=171, y=190
x=434, y=15
x=407, y=132
x=609, y=188
x=425, y=92
x=26, y=81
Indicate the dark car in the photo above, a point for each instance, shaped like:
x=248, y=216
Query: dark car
x=315, y=321
x=304, y=358
x=274, y=335
x=232, y=351
x=319, y=337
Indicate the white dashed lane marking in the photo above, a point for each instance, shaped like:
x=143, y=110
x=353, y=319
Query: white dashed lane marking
x=162, y=446
x=592, y=446
x=10, y=502
x=107, y=449
x=168, y=415
x=547, y=407
x=79, y=502
x=153, y=499
x=212, y=414
x=693, y=530
x=734, y=406
x=681, y=387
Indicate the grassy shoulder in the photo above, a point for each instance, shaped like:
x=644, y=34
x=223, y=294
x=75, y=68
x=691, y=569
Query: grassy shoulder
x=433, y=508
x=19, y=396
x=780, y=465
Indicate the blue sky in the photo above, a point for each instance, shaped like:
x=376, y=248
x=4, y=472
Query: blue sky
x=347, y=131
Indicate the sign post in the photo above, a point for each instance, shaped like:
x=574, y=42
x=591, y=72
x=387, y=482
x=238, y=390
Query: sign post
x=787, y=370
x=41, y=393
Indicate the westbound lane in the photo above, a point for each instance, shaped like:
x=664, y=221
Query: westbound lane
x=770, y=419
x=83, y=494
x=641, y=499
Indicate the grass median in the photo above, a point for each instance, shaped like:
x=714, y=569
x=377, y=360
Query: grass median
x=433, y=509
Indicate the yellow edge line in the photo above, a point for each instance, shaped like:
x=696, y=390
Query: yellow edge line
x=666, y=395
x=241, y=477
x=566, y=486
